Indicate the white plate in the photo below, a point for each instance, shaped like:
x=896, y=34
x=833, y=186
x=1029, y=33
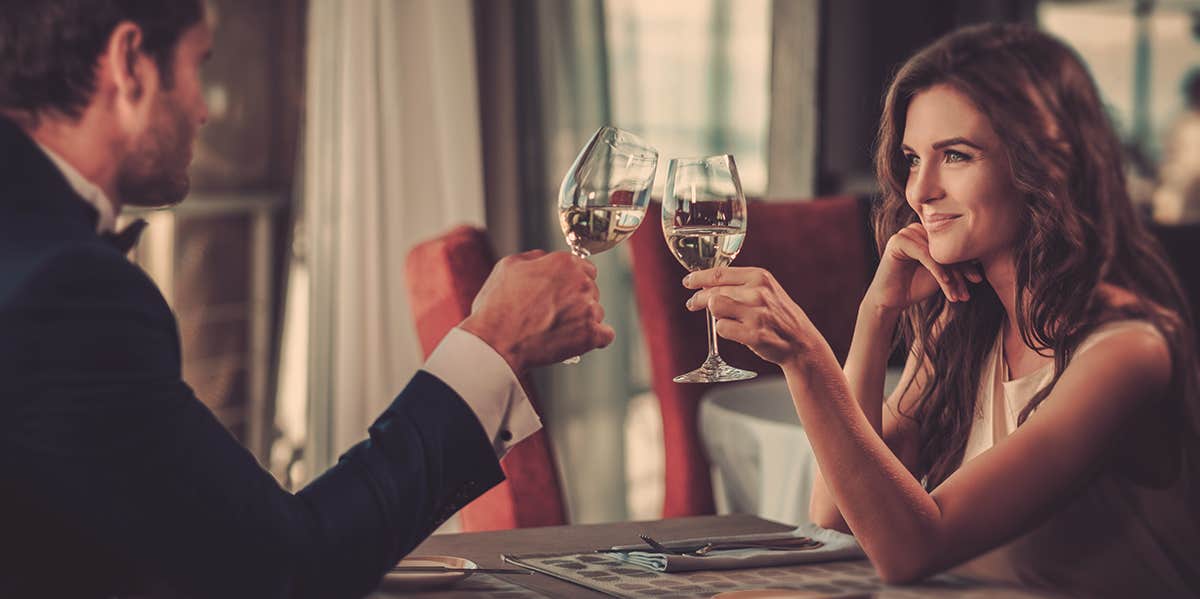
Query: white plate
x=408, y=581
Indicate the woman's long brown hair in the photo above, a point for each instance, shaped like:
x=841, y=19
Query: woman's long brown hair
x=1080, y=228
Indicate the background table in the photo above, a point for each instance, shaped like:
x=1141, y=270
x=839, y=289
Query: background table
x=762, y=461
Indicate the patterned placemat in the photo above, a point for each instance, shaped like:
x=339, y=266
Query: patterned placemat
x=856, y=578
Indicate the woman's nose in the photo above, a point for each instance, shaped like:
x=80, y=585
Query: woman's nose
x=924, y=186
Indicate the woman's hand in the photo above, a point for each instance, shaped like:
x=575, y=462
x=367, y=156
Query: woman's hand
x=752, y=309
x=907, y=273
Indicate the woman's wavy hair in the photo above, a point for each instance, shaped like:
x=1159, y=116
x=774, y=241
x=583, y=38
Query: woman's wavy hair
x=1080, y=228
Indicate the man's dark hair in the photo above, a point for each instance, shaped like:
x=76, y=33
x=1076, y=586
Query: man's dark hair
x=49, y=48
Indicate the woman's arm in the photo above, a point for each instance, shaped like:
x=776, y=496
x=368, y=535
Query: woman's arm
x=909, y=533
x=907, y=273
x=864, y=371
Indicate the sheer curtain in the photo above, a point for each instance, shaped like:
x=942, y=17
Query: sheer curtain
x=792, y=135
x=544, y=77
x=391, y=156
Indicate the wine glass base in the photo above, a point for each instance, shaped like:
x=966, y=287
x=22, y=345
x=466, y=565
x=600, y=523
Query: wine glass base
x=715, y=370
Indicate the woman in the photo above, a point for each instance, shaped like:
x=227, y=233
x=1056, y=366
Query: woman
x=1045, y=429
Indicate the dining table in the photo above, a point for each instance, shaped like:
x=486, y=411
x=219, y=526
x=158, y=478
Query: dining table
x=762, y=462
x=847, y=579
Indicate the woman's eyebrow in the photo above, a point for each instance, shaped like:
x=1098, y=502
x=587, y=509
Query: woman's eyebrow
x=954, y=141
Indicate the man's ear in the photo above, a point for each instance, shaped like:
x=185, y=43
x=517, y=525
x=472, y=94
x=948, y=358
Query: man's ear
x=125, y=69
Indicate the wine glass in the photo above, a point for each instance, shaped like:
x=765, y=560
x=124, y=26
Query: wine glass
x=704, y=222
x=604, y=194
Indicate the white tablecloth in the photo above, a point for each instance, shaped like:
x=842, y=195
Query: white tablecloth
x=762, y=462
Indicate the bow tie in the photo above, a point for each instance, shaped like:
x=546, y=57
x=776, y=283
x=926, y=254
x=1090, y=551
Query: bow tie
x=126, y=238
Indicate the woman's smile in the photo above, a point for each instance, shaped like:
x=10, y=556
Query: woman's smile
x=939, y=222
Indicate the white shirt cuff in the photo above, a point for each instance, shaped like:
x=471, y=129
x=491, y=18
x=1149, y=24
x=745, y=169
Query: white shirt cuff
x=484, y=380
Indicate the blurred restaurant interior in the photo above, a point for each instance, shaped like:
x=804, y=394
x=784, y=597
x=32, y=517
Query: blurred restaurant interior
x=344, y=134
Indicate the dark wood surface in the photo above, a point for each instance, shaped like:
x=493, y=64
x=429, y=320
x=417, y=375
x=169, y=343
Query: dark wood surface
x=485, y=549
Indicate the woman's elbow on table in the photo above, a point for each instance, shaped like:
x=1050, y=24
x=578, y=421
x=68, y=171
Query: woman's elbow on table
x=828, y=518
x=899, y=569
x=906, y=565
x=900, y=572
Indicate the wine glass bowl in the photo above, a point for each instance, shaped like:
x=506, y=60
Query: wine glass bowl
x=604, y=195
x=704, y=223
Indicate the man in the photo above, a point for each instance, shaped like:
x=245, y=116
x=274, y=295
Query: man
x=117, y=480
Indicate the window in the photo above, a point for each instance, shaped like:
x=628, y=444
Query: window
x=1142, y=86
x=709, y=95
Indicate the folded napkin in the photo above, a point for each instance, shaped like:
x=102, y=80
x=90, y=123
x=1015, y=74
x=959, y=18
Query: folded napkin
x=837, y=546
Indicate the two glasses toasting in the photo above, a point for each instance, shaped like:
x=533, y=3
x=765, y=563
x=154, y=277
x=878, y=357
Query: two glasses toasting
x=603, y=199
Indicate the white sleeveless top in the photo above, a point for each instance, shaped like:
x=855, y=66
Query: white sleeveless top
x=1116, y=538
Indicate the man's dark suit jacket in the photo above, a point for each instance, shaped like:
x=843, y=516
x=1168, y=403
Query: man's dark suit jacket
x=116, y=479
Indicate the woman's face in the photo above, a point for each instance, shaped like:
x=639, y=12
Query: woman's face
x=959, y=182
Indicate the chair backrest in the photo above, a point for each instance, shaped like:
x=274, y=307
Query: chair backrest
x=1181, y=244
x=820, y=252
x=444, y=275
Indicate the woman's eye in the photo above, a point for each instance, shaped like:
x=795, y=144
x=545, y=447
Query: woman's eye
x=912, y=160
x=956, y=156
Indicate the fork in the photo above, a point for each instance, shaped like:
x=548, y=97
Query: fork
x=798, y=543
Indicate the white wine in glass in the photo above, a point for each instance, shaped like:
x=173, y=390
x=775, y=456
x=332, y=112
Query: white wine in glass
x=604, y=195
x=704, y=222
x=594, y=229
x=701, y=248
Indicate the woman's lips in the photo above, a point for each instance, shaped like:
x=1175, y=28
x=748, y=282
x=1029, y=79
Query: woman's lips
x=938, y=222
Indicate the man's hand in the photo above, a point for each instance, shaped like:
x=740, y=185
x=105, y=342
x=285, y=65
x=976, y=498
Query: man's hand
x=538, y=308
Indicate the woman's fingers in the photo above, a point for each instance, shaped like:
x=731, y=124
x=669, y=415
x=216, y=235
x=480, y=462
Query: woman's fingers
x=735, y=331
x=974, y=274
x=962, y=293
x=723, y=275
x=918, y=249
x=951, y=279
x=737, y=322
x=723, y=306
x=742, y=294
x=965, y=273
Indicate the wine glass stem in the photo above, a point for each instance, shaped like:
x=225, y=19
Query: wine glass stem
x=712, y=337
x=582, y=253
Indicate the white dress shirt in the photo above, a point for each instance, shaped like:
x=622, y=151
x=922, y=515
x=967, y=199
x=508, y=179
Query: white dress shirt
x=463, y=361
x=484, y=380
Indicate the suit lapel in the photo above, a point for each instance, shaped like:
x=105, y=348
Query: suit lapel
x=30, y=182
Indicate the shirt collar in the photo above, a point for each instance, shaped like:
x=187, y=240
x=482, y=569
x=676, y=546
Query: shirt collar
x=92, y=194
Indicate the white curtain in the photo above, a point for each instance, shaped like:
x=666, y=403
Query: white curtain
x=391, y=157
x=792, y=137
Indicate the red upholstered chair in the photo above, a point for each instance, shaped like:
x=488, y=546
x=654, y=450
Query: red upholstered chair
x=444, y=275
x=1181, y=243
x=820, y=251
